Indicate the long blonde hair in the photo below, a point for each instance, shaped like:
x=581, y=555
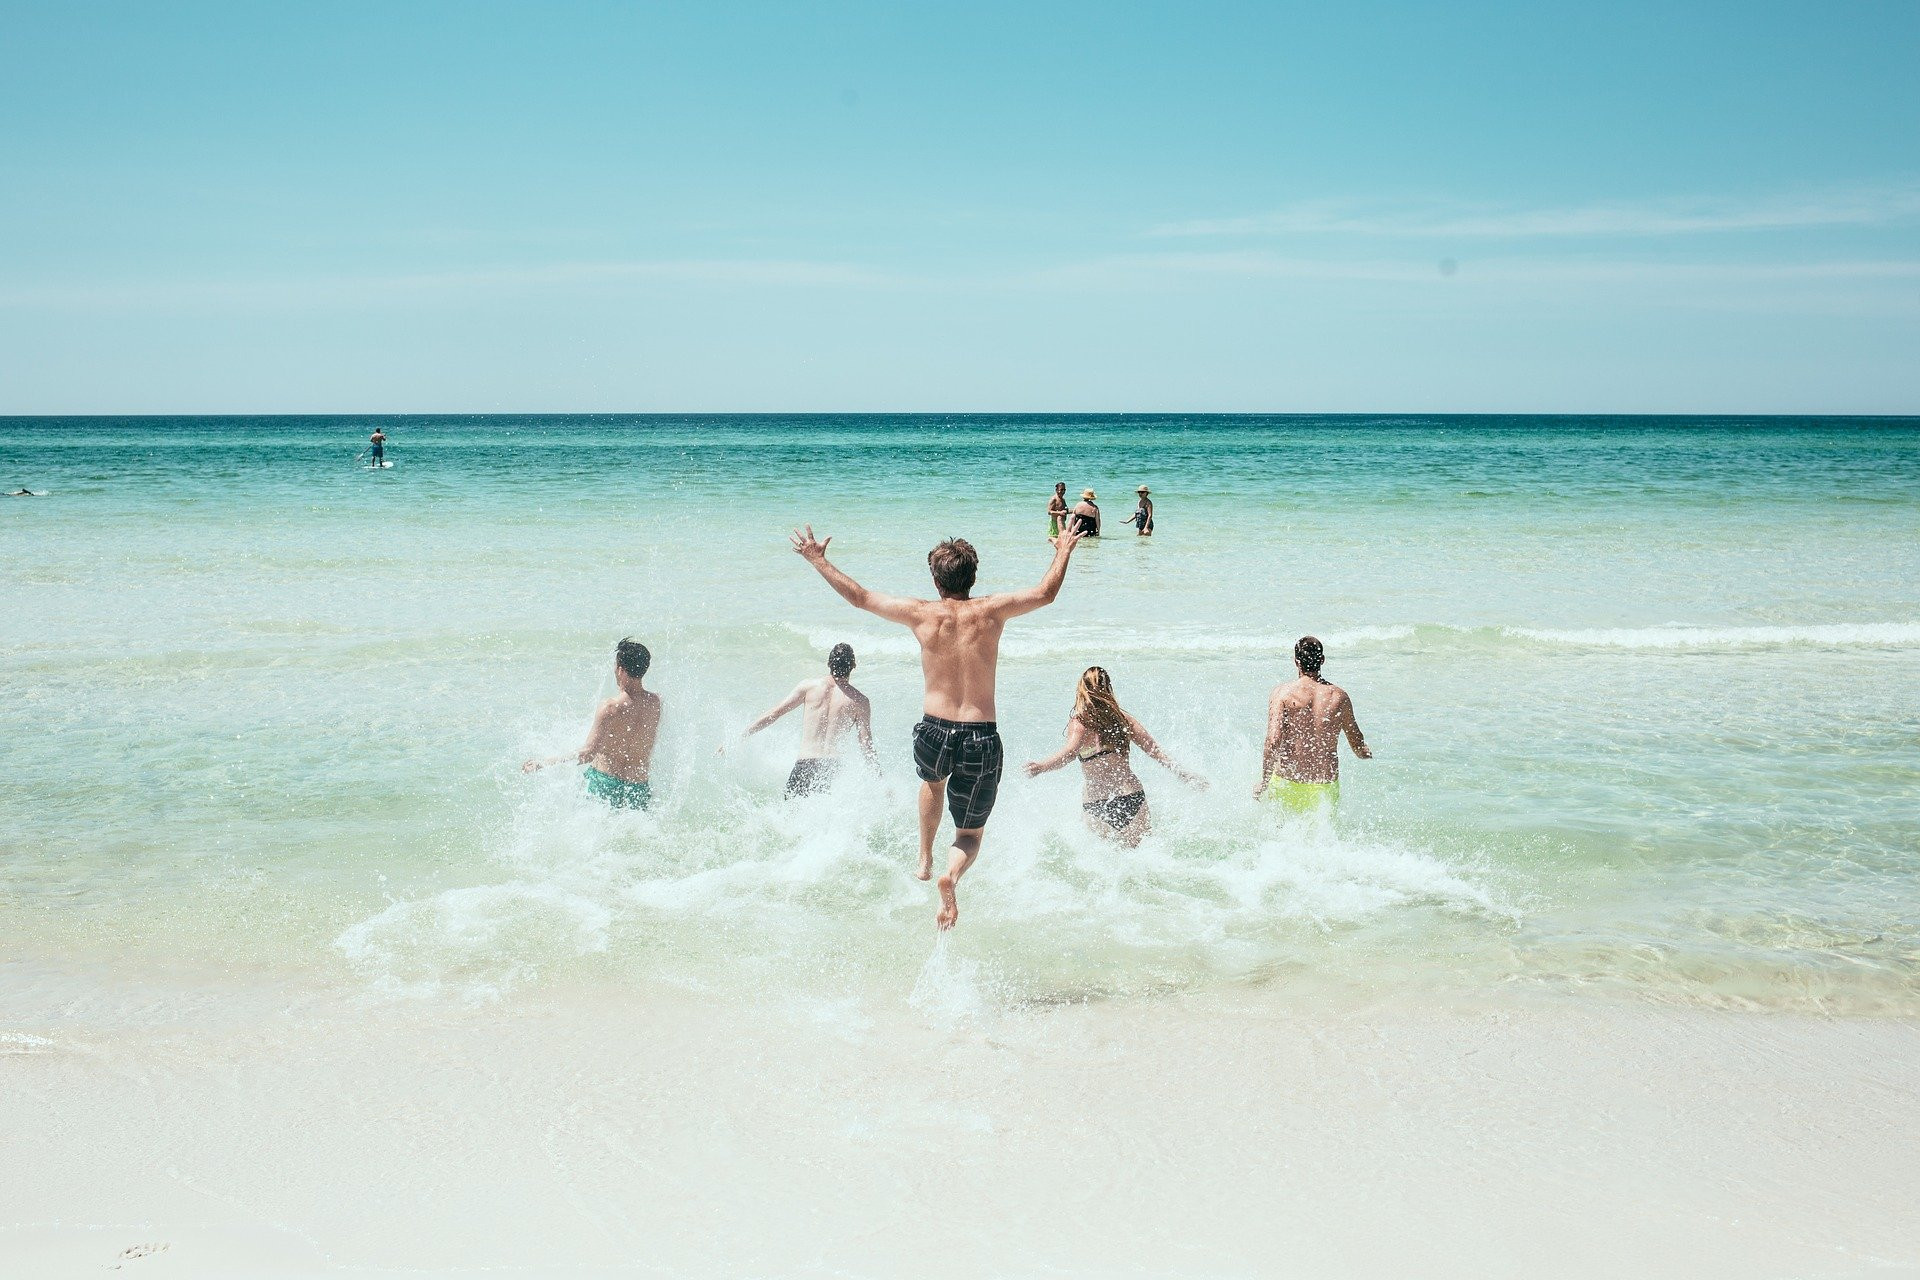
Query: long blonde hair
x=1095, y=707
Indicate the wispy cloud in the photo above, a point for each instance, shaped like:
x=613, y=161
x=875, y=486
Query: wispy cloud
x=355, y=288
x=1671, y=217
x=1258, y=264
x=1854, y=286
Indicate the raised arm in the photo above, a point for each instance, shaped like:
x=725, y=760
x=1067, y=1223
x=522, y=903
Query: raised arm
x=1076, y=734
x=1012, y=604
x=1351, y=728
x=1145, y=742
x=792, y=700
x=814, y=552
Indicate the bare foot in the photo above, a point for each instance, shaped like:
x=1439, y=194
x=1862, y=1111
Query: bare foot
x=926, y=867
x=949, y=904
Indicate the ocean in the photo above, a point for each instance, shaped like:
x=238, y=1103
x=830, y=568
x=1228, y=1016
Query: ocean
x=1643, y=696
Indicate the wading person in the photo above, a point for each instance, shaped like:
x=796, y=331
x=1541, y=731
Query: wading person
x=1101, y=736
x=1142, y=518
x=1086, y=516
x=1057, y=510
x=833, y=707
x=956, y=745
x=1300, y=764
x=618, y=752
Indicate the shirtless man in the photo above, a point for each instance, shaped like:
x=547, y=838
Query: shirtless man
x=618, y=751
x=1057, y=509
x=377, y=444
x=956, y=748
x=1300, y=766
x=833, y=706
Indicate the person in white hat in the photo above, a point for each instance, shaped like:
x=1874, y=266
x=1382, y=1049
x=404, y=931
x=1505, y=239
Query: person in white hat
x=1143, y=514
x=1086, y=515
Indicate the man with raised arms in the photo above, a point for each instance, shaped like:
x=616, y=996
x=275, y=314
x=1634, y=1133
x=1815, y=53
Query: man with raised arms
x=833, y=706
x=1300, y=764
x=956, y=748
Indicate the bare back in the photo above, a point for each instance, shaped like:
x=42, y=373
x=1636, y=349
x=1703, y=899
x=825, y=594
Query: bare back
x=621, y=741
x=1304, y=722
x=830, y=708
x=959, y=655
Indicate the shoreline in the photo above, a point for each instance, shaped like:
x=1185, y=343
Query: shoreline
x=602, y=1130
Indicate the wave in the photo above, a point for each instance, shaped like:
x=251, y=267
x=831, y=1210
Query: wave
x=1879, y=635
x=1677, y=637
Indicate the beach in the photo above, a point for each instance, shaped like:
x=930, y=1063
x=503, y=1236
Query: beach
x=1608, y=965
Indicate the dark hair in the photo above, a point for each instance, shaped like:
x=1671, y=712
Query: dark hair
x=840, y=661
x=632, y=657
x=954, y=564
x=1309, y=653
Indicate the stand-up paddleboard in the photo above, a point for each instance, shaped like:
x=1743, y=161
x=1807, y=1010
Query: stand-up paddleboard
x=379, y=466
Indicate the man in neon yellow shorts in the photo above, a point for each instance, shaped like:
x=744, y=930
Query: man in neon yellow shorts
x=1300, y=764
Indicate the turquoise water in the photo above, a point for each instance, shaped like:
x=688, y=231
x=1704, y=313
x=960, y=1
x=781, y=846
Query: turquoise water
x=1644, y=693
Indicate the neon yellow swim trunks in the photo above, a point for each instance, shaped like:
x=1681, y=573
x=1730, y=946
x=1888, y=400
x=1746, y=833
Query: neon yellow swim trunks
x=1303, y=797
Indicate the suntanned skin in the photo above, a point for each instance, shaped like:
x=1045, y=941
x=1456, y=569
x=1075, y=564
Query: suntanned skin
x=620, y=741
x=959, y=654
x=1112, y=775
x=1057, y=505
x=1305, y=719
x=1092, y=512
x=833, y=706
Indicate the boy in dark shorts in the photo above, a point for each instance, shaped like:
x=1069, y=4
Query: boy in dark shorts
x=956, y=746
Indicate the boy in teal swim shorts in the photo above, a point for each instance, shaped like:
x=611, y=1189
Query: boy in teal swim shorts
x=1300, y=763
x=618, y=751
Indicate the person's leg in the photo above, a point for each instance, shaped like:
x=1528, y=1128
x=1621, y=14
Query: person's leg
x=966, y=847
x=932, y=793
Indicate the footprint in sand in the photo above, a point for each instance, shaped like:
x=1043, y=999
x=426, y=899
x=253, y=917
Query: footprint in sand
x=138, y=1251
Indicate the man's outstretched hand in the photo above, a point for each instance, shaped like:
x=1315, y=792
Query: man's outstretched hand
x=1067, y=538
x=812, y=548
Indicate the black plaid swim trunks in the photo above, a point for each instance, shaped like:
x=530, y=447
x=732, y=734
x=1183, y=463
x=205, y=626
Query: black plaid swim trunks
x=966, y=755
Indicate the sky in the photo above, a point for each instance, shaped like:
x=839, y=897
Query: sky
x=631, y=207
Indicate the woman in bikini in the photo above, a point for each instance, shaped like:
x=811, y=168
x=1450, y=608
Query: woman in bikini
x=1102, y=736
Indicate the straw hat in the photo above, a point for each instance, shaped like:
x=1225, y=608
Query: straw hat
x=1143, y=489
x=1086, y=495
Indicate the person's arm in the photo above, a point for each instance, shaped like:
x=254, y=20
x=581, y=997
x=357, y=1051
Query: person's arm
x=1270, y=750
x=1352, y=729
x=814, y=552
x=1012, y=604
x=863, y=728
x=596, y=738
x=1076, y=734
x=792, y=700
x=1145, y=742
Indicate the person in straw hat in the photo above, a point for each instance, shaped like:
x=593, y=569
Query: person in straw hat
x=1143, y=514
x=1086, y=515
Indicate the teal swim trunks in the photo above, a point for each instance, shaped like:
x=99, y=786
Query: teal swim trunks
x=618, y=792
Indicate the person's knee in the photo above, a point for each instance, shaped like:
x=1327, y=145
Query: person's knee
x=968, y=842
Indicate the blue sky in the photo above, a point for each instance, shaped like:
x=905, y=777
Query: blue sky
x=635, y=207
